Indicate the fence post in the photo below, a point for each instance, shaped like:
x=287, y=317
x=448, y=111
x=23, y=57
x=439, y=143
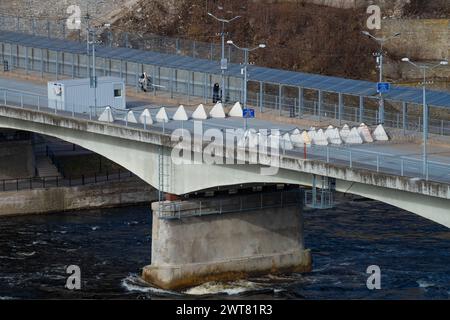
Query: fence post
x=442, y=127
x=350, y=159
x=328, y=154
x=402, y=167
x=378, y=163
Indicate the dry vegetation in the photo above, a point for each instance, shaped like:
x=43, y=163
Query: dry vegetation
x=299, y=36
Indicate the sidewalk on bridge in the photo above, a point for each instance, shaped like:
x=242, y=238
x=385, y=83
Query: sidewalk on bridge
x=159, y=98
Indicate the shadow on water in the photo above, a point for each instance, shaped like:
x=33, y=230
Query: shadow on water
x=112, y=245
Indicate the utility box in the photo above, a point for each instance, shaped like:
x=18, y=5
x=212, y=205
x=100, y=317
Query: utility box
x=77, y=95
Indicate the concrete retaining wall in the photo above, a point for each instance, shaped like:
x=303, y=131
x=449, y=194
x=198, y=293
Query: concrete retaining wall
x=16, y=160
x=102, y=195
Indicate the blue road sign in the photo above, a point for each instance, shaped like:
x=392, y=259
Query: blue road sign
x=383, y=87
x=248, y=113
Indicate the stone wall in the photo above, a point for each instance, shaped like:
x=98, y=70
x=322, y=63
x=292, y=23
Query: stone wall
x=102, y=195
x=16, y=160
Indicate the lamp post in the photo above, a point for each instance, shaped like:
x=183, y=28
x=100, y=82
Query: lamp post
x=93, y=77
x=246, y=54
x=424, y=69
x=223, y=61
x=380, y=60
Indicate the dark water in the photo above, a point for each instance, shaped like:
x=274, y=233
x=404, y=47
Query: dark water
x=112, y=245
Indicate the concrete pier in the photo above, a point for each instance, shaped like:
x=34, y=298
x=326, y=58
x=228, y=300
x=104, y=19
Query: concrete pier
x=189, y=249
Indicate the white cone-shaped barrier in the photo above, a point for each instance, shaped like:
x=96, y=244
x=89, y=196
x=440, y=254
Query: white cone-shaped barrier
x=236, y=111
x=180, y=114
x=217, y=111
x=276, y=137
x=306, y=138
x=161, y=116
x=146, y=117
x=380, y=134
x=286, y=143
x=130, y=117
x=297, y=139
x=345, y=132
x=200, y=113
x=320, y=138
x=106, y=115
x=365, y=134
x=243, y=140
x=312, y=133
x=263, y=139
x=333, y=136
x=354, y=137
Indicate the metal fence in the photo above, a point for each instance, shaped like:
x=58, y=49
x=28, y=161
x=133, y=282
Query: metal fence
x=230, y=204
x=349, y=156
x=57, y=29
x=290, y=107
x=20, y=184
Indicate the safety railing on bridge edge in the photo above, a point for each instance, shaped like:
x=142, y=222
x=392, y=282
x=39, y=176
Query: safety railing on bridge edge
x=21, y=184
x=404, y=167
x=231, y=204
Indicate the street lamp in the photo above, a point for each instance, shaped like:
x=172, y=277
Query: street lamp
x=246, y=53
x=424, y=69
x=223, y=61
x=380, y=60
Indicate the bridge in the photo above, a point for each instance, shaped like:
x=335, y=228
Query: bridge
x=186, y=245
x=241, y=213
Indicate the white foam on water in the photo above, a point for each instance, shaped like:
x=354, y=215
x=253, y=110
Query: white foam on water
x=26, y=254
x=134, y=283
x=231, y=288
x=424, y=284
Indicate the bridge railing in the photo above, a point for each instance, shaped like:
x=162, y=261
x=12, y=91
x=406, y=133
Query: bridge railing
x=21, y=184
x=411, y=166
x=351, y=156
x=230, y=204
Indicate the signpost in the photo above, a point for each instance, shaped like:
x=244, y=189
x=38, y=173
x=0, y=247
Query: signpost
x=248, y=114
x=383, y=87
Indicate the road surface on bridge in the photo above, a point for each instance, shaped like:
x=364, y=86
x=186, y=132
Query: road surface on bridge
x=392, y=158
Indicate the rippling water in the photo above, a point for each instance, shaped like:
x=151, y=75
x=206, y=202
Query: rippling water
x=111, y=246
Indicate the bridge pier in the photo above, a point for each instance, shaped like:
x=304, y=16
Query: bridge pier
x=197, y=241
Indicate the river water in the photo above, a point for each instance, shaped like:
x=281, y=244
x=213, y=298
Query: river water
x=112, y=245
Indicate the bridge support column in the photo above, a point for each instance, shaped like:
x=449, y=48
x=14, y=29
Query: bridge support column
x=220, y=247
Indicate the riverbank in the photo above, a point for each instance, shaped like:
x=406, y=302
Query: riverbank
x=109, y=194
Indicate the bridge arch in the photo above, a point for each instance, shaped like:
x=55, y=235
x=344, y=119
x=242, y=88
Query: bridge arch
x=139, y=158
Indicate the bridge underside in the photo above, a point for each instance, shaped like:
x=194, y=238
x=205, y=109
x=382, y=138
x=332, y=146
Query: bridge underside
x=142, y=159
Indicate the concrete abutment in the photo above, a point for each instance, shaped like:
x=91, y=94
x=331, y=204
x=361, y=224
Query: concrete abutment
x=222, y=245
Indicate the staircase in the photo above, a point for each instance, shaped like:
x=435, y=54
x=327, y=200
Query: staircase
x=45, y=167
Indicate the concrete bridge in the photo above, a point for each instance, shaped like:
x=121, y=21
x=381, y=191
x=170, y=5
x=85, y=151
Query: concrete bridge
x=256, y=240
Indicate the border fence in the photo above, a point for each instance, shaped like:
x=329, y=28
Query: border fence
x=172, y=45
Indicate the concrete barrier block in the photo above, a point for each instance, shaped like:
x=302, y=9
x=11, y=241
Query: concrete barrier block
x=180, y=114
x=200, y=113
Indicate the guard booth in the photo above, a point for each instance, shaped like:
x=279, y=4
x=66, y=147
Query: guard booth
x=80, y=95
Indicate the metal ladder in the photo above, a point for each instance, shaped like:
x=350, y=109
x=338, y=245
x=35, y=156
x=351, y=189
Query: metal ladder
x=163, y=176
x=321, y=196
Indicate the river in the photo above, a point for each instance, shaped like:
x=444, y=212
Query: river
x=112, y=245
